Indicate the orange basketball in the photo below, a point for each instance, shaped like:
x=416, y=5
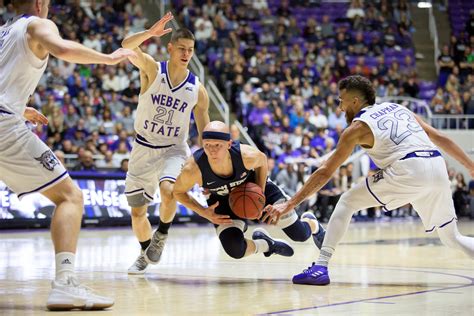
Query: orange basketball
x=247, y=200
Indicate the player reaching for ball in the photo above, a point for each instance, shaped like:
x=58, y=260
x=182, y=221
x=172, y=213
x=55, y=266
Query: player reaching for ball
x=223, y=164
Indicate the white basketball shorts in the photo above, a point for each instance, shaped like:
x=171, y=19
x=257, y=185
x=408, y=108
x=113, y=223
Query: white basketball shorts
x=421, y=182
x=27, y=165
x=150, y=166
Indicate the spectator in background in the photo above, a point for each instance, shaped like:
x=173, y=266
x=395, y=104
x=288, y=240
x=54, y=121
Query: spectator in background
x=111, y=81
x=446, y=65
x=411, y=87
x=337, y=118
x=355, y=9
x=327, y=28
x=86, y=162
x=92, y=41
x=287, y=179
x=460, y=195
x=471, y=199
x=60, y=155
x=123, y=166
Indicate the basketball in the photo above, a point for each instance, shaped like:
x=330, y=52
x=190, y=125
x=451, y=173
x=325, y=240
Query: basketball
x=247, y=200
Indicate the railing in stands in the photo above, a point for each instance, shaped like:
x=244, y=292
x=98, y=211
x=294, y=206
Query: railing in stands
x=439, y=121
x=434, y=37
x=216, y=98
x=451, y=121
x=245, y=135
x=419, y=106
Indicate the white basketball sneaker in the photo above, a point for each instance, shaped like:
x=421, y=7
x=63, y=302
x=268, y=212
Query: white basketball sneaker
x=69, y=294
x=139, y=266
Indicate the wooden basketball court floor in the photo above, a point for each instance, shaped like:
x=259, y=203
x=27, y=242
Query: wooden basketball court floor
x=390, y=268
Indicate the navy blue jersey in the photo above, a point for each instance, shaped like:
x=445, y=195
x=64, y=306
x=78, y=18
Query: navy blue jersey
x=218, y=185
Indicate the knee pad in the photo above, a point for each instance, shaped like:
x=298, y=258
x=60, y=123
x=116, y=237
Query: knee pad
x=298, y=231
x=137, y=200
x=233, y=242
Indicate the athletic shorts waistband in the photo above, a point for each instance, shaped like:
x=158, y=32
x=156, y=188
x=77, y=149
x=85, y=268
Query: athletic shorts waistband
x=422, y=154
x=142, y=141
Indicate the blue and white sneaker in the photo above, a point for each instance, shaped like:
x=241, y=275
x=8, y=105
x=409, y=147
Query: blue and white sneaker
x=318, y=238
x=314, y=275
x=276, y=246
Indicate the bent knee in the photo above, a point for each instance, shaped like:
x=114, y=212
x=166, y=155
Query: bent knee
x=235, y=250
x=67, y=191
x=137, y=200
x=233, y=242
x=166, y=191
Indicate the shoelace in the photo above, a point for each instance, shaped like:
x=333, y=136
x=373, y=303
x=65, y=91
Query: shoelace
x=160, y=242
x=77, y=287
x=140, y=262
x=309, y=268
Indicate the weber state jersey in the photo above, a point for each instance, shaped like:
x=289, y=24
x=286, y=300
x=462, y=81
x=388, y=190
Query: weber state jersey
x=164, y=111
x=20, y=69
x=396, y=133
x=221, y=186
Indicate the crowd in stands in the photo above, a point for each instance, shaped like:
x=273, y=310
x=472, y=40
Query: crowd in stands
x=276, y=64
x=90, y=107
x=455, y=87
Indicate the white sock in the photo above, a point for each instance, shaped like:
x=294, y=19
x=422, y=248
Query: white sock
x=261, y=246
x=64, y=265
x=317, y=227
x=324, y=256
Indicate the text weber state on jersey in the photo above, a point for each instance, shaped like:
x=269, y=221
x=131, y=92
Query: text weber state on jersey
x=165, y=111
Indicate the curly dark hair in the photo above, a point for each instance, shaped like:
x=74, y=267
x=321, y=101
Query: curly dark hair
x=182, y=33
x=359, y=84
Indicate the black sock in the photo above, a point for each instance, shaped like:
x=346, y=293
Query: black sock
x=163, y=227
x=145, y=244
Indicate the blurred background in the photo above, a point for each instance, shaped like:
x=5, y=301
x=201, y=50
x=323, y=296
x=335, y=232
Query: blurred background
x=271, y=68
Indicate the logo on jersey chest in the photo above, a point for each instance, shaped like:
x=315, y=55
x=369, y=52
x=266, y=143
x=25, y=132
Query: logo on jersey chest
x=225, y=189
x=169, y=102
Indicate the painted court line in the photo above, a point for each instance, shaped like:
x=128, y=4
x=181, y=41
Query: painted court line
x=368, y=300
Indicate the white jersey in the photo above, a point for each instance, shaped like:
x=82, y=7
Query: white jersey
x=164, y=112
x=20, y=69
x=396, y=133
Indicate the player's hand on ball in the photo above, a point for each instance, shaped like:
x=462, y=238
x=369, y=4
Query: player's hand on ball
x=158, y=29
x=120, y=55
x=218, y=219
x=34, y=116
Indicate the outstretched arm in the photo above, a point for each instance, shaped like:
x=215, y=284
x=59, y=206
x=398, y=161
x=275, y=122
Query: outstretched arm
x=190, y=175
x=44, y=38
x=446, y=144
x=356, y=133
x=141, y=60
x=158, y=29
